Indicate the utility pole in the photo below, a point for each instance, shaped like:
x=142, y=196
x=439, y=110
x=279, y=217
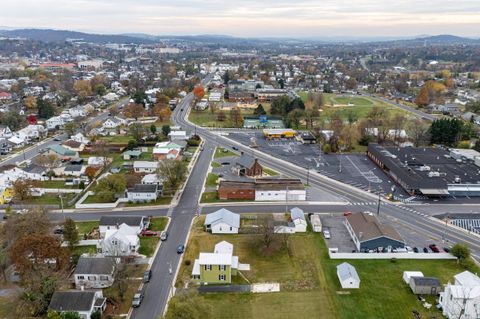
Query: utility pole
x=61, y=202
x=308, y=176
x=340, y=163
x=286, y=201
x=379, y=202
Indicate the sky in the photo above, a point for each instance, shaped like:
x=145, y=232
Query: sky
x=250, y=18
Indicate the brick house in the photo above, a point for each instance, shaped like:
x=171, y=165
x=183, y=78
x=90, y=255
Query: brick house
x=246, y=165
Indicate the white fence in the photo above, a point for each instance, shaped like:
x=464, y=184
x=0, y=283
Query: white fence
x=431, y=256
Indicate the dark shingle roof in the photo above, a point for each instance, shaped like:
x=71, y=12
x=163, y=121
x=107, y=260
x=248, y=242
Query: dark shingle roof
x=118, y=220
x=73, y=168
x=245, y=161
x=144, y=188
x=95, y=266
x=72, y=300
x=426, y=281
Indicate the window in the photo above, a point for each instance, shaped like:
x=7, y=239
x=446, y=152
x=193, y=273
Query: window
x=196, y=277
x=208, y=267
x=103, y=278
x=221, y=277
x=92, y=278
x=231, y=228
x=80, y=277
x=222, y=267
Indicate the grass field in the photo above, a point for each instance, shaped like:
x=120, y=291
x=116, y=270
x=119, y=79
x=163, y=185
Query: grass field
x=94, y=199
x=49, y=199
x=270, y=172
x=149, y=244
x=86, y=227
x=211, y=180
x=309, y=282
x=219, y=153
x=158, y=223
x=164, y=200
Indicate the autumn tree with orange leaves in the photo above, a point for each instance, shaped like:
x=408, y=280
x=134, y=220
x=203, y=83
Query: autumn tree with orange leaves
x=199, y=92
x=134, y=110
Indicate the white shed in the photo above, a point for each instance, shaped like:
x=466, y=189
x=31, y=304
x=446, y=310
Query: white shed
x=316, y=223
x=298, y=218
x=408, y=274
x=348, y=277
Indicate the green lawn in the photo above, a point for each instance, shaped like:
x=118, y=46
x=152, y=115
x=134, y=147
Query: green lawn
x=309, y=284
x=95, y=199
x=49, y=199
x=55, y=184
x=207, y=118
x=148, y=245
x=270, y=172
x=79, y=250
x=219, y=153
x=216, y=165
x=211, y=180
x=8, y=307
x=158, y=223
x=86, y=227
x=117, y=139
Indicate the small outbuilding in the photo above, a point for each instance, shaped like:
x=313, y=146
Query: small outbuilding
x=425, y=285
x=408, y=274
x=298, y=219
x=316, y=223
x=348, y=276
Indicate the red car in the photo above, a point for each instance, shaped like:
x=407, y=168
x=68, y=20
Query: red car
x=148, y=233
x=347, y=214
x=434, y=248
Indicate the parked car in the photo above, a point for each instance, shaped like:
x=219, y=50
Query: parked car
x=234, y=148
x=147, y=275
x=326, y=234
x=180, y=249
x=163, y=236
x=425, y=250
x=446, y=249
x=148, y=233
x=137, y=299
x=434, y=248
x=347, y=214
x=415, y=249
x=57, y=139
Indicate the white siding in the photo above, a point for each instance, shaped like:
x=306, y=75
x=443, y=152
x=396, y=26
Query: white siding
x=280, y=195
x=223, y=228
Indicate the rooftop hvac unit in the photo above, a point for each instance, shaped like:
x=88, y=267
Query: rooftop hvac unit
x=433, y=174
x=424, y=168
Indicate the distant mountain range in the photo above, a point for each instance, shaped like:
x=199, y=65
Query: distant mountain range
x=50, y=35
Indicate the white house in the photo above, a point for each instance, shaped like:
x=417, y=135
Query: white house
x=54, y=122
x=114, y=122
x=108, y=222
x=33, y=132
x=348, y=277
x=145, y=166
x=461, y=300
x=5, y=131
x=121, y=241
x=94, y=272
x=144, y=192
x=222, y=221
x=85, y=303
x=17, y=141
x=152, y=179
x=80, y=138
x=178, y=135
x=77, y=111
x=298, y=218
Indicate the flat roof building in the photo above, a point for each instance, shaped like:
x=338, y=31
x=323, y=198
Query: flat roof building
x=427, y=171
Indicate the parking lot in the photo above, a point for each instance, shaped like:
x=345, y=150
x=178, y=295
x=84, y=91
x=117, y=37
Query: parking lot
x=340, y=238
x=354, y=169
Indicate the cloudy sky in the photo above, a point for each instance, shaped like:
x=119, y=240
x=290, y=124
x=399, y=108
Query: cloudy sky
x=300, y=18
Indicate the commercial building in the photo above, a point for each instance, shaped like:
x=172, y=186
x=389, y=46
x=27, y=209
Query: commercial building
x=368, y=234
x=264, y=189
x=427, y=171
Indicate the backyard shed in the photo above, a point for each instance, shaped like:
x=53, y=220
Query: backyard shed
x=425, y=285
x=348, y=276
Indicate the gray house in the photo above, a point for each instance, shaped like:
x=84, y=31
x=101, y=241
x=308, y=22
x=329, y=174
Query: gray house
x=83, y=302
x=425, y=285
x=94, y=272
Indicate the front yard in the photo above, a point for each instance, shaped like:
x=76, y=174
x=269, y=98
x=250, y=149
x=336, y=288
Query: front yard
x=149, y=244
x=309, y=284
